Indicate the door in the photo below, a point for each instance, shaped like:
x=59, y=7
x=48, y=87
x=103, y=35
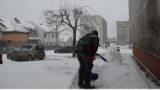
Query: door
x=26, y=50
x=17, y=52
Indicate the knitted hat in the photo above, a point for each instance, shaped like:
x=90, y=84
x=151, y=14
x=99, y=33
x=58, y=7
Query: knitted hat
x=95, y=32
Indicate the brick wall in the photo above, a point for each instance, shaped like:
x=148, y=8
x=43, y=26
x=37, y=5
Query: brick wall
x=16, y=37
x=151, y=62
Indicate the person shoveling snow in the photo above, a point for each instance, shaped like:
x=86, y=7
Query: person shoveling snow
x=86, y=50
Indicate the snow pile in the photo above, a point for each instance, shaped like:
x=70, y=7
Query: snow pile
x=115, y=55
x=117, y=76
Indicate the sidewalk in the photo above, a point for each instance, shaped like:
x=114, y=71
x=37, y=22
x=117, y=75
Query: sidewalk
x=121, y=72
x=150, y=80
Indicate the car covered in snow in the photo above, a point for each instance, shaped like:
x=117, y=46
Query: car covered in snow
x=64, y=49
x=27, y=52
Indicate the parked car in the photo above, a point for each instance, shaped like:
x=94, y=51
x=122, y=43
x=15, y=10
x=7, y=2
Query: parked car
x=64, y=49
x=27, y=52
x=1, y=61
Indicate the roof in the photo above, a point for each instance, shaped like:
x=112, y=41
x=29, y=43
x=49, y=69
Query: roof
x=2, y=22
x=12, y=26
x=15, y=28
x=46, y=29
x=29, y=26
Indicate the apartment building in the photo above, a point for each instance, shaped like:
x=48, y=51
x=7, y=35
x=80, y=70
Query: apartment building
x=122, y=32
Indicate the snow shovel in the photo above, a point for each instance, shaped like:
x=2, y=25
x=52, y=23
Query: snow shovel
x=94, y=76
x=105, y=60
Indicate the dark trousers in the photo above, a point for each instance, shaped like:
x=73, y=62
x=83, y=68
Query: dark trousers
x=84, y=69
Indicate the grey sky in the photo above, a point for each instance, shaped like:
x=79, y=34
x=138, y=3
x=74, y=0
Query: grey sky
x=26, y=10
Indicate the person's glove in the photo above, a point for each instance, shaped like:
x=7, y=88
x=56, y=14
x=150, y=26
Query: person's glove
x=94, y=57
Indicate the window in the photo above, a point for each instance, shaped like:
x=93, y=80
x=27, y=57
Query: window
x=52, y=36
x=27, y=47
x=18, y=47
x=44, y=35
x=50, y=43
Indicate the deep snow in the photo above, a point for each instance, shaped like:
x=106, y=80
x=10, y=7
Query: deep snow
x=59, y=71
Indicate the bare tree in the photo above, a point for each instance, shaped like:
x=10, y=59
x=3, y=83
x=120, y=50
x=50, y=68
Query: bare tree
x=66, y=16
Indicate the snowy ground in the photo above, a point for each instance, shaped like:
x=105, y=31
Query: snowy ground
x=59, y=71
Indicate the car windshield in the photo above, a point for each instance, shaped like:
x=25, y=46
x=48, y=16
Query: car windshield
x=18, y=47
x=27, y=47
x=39, y=47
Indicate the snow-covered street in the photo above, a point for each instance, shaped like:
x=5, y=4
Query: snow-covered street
x=59, y=71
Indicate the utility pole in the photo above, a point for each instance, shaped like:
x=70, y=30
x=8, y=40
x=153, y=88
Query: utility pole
x=56, y=35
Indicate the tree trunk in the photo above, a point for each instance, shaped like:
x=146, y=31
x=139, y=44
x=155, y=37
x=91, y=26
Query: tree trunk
x=74, y=42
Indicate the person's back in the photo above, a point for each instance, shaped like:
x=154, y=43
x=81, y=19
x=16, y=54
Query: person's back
x=83, y=44
x=87, y=44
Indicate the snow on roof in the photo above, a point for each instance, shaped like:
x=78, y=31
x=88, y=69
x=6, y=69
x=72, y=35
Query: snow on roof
x=45, y=28
x=32, y=38
x=28, y=25
x=1, y=20
x=13, y=27
x=2, y=24
x=5, y=22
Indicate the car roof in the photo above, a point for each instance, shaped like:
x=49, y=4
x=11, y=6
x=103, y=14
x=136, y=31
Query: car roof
x=27, y=44
x=33, y=44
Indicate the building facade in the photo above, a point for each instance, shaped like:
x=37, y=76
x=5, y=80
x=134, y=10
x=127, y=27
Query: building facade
x=33, y=33
x=14, y=38
x=13, y=34
x=50, y=38
x=145, y=33
x=122, y=32
x=40, y=30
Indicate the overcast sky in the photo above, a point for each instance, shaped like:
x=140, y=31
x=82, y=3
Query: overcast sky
x=31, y=10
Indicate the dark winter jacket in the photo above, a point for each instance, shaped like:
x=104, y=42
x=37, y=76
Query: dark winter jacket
x=88, y=44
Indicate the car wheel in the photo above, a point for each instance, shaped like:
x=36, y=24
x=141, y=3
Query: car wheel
x=41, y=58
x=29, y=58
x=1, y=62
x=56, y=51
x=9, y=57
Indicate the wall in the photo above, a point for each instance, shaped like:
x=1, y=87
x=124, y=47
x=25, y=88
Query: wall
x=16, y=37
x=145, y=32
x=145, y=26
x=40, y=32
x=50, y=38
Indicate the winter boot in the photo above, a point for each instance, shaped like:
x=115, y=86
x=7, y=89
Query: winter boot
x=81, y=85
x=87, y=81
x=81, y=78
x=89, y=86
